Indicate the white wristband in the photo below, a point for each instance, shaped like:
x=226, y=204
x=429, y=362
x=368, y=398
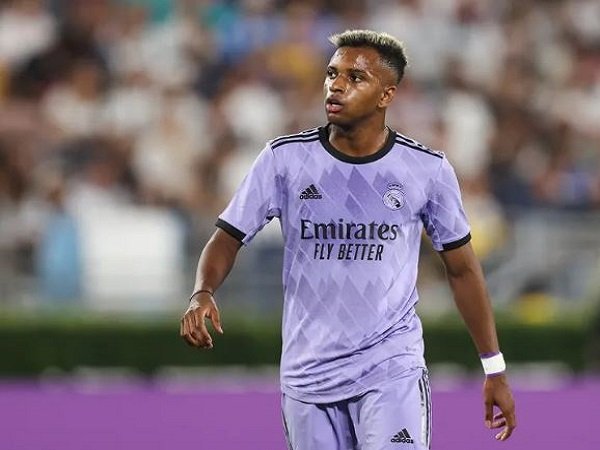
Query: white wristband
x=493, y=365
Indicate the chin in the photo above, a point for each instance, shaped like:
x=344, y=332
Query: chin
x=336, y=119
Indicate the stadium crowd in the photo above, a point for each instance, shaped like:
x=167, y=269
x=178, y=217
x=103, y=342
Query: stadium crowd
x=117, y=103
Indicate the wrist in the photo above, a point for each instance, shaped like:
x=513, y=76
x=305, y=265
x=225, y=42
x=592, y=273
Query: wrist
x=493, y=364
x=202, y=291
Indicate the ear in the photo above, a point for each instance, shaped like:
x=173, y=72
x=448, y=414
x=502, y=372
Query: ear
x=387, y=96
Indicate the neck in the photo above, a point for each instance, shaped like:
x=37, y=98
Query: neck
x=363, y=140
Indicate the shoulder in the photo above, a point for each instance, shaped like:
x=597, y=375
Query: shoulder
x=309, y=135
x=411, y=144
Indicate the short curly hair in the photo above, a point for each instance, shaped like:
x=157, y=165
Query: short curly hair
x=389, y=48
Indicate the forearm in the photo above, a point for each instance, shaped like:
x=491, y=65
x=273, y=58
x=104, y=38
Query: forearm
x=473, y=304
x=470, y=295
x=216, y=261
x=468, y=286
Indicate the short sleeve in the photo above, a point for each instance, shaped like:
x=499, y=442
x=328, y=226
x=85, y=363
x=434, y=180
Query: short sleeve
x=444, y=217
x=256, y=201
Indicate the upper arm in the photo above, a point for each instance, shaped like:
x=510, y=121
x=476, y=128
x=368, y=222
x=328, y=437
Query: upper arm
x=224, y=242
x=460, y=261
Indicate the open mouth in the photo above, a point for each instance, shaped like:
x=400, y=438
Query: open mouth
x=333, y=105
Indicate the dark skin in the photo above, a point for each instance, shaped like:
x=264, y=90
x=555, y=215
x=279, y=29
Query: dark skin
x=358, y=90
x=359, y=87
x=470, y=295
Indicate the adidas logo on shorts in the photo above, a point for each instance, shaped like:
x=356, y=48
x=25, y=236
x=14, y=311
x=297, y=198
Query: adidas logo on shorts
x=403, y=437
x=310, y=193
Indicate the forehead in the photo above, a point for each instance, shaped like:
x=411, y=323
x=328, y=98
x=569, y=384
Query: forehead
x=362, y=58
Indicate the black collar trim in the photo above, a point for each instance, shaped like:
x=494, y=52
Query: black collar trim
x=384, y=150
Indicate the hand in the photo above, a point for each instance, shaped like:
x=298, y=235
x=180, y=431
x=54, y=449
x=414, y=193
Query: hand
x=496, y=392
x=193, y=328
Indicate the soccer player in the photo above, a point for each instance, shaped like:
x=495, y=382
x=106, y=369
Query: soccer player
x=352, y=198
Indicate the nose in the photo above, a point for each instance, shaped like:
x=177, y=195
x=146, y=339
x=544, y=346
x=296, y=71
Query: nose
x=337, y=84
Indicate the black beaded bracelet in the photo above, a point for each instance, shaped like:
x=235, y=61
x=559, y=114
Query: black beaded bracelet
x=199, y=291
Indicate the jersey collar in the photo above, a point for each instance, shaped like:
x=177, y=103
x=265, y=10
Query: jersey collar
x=384, y=150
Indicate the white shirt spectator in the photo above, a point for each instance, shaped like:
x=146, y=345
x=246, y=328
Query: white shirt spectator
x=71, y=114
x=469, y=125
x=25, y=29
x=255, y=112
x=158, y=51
x=75, y=106
x=166, y=156
x=131, y=107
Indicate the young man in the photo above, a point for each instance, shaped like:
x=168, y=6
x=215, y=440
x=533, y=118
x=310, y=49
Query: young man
x=352, y=198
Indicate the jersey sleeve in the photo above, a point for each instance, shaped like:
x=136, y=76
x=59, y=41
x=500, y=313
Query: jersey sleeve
x=256, y=201
x=444, y=217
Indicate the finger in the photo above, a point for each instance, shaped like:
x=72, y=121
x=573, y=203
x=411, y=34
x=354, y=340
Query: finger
x=215, y=318
x=504, y=434
x=188, y=332
x=511, y=419
x=498, y=421
x=509, y=428
x=202, y=341
x=489, y=413
x=199, y=330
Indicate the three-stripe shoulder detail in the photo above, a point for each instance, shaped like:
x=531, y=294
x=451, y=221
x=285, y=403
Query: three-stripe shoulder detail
x=305, y=136
x=410, y=143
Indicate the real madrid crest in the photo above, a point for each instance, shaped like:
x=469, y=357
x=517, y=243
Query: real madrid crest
x=394, y=197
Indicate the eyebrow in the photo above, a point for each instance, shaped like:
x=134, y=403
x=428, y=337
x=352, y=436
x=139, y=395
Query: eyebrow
x=352, y=70
x=358, y=71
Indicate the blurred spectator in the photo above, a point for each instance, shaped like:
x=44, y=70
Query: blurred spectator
x=58, y=256
x=249, y=26
x=468, y=124
x=167, y=102
x=22, y=212
x=166, y=155
x=74, y=106
x=132, y=105
x=424, y=32
x=26, y=28
x=97, y=177
x=248, y=87
x=570, y=176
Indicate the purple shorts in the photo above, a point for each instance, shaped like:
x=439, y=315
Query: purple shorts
x=396, y=416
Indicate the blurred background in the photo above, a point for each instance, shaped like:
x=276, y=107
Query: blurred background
x=125, y=127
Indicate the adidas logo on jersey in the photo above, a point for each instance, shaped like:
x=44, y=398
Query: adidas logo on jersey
x=310, y=193
x=403, y=437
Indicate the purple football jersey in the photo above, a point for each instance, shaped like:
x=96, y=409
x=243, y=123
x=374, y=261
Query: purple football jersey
x=352, y=231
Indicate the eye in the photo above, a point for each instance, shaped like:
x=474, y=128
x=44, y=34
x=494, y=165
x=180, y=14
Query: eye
x=356, y=78
x=330, y=73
